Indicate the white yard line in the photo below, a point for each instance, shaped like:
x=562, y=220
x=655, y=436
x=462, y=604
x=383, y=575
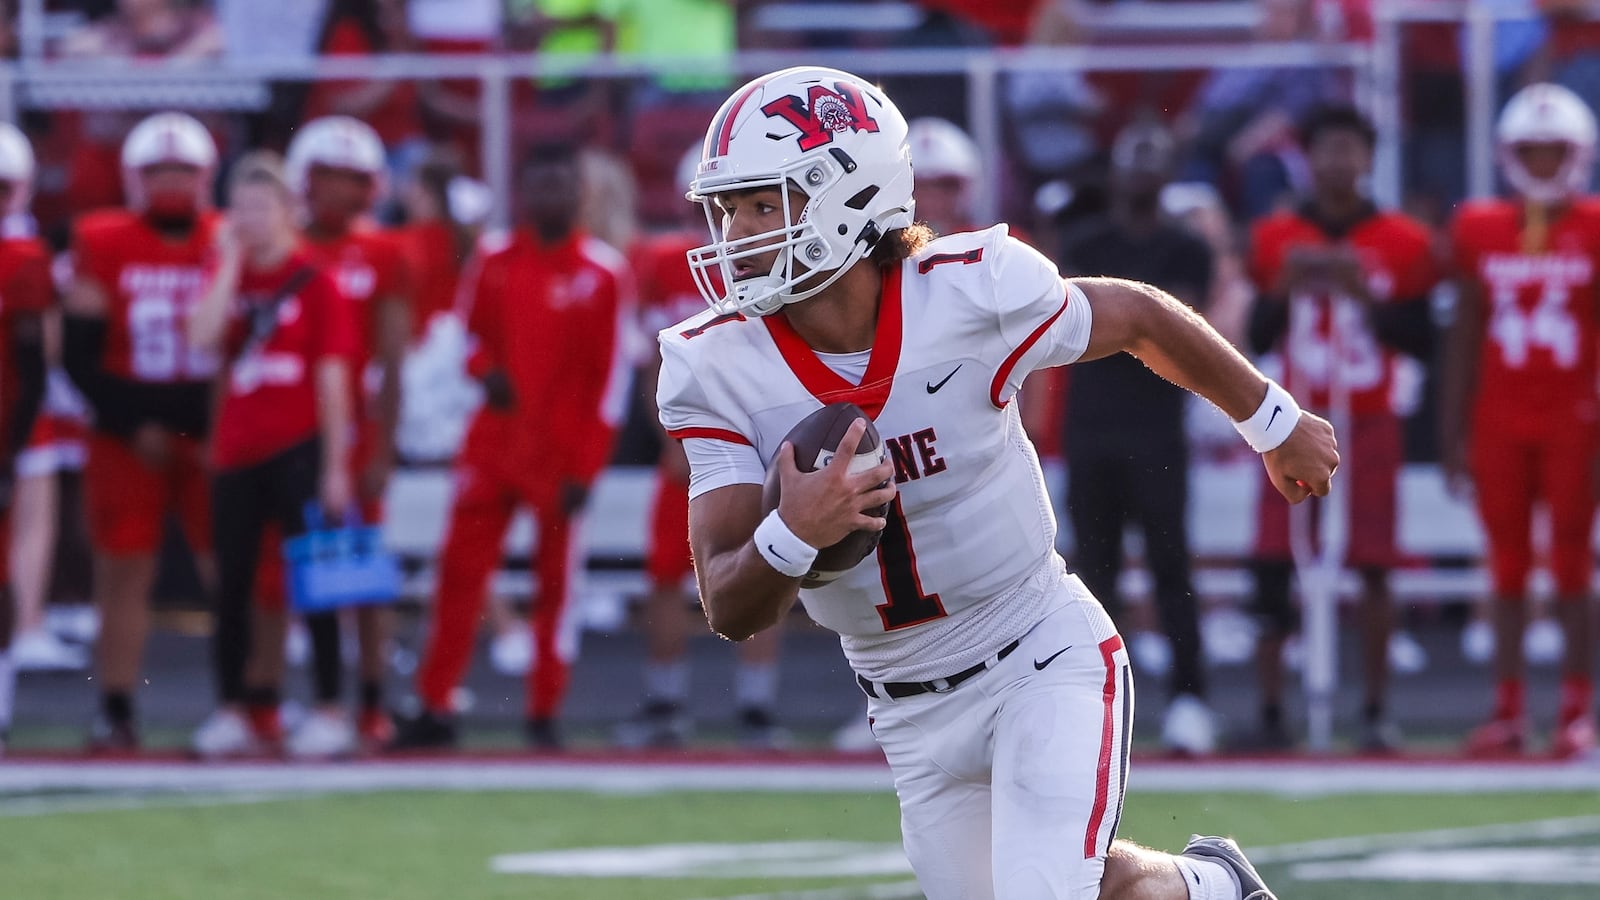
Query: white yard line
x=63, y=804
x=1295, y=778
x=898, y=890
x=1360, y=845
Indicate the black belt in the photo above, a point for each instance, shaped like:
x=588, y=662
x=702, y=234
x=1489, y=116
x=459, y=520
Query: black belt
x=899, y=690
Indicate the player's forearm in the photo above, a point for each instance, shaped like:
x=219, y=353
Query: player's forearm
x=742, y=594
x=333, y=412
x=1174, y=341
x=208, y=321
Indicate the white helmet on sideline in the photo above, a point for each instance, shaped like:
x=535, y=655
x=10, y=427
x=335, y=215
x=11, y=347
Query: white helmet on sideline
x=828, y=135
x=16, y=167
x=940, y=149
x=168, y=137
x=338, y=142
x=1547, y=113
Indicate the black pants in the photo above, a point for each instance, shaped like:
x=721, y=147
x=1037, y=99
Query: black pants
x=243, y=501
x=1148, y=484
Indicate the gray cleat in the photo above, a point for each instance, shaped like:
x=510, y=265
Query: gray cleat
x=1226, y=851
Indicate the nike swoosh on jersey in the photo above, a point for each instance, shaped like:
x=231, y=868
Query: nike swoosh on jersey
x=1039, y=664
x=934, y=388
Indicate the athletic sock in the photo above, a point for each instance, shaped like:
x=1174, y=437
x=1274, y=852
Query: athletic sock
x=1508, y=694
x=1208, y=880
x=117, y=707
x=8, y=684
x=756, y=686
x=1577, y=697
x=667, y=682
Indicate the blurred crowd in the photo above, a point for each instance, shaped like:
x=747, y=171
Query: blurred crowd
x=236, y=318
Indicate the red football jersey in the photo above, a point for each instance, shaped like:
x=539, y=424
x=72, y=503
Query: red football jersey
x=25, y=288
x=552, y=318
x=430, y=252
x=270, y=403
x=364, y=265
x=151, y=283
x=667, y=292
x=1538, y=357
x=1397, y=258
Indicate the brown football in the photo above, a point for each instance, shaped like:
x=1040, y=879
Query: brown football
x=815, y=439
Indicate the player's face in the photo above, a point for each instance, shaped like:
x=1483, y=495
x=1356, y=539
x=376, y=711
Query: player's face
x=260, y=214
x=550, y=194
x=942, y=201
x=1339, y=159
x=749, y=213
x=1542, y=159
x=336, y=196
x=171, y=189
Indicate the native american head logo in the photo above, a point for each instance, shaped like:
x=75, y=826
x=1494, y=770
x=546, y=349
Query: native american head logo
x=822, y=113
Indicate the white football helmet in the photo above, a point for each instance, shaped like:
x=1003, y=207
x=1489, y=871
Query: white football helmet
x=16, y=166
x=940, y=149
x=167, y=137
x=1547, y=113
x=825, y=133
x=338, y=142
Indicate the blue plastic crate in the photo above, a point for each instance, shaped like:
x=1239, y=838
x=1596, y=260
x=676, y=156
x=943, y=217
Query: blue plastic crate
x=332, y=568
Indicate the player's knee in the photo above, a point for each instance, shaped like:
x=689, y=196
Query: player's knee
x=1273, y=604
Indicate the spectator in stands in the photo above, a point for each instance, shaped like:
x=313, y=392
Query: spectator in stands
x=1135, y=469
x=168, y=28
x=136, y=274
x=1518, y=405
x=25, y=281
x=280, y=442
x=439, y=235
x=1342, y=292
x=546, y=308
x=1240, y=127
x=667, y=295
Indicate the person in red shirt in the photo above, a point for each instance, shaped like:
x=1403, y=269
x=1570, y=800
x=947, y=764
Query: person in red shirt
x=437, y=239
x=667, y=294
x=1519, y=412
x=1342, y=295
x=544, y=308
x=25, y=294
x=280, y=441
x=136, y=274
x=336, y=164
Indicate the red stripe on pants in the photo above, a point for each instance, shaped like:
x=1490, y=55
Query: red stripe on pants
x=1102, y=778
x=472, y=550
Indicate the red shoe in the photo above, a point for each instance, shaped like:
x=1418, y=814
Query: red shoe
x=1574, y=738
x=1497, y=738
x=375, y=730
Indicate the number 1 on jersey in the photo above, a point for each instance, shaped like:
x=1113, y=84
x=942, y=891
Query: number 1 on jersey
x=897, y=564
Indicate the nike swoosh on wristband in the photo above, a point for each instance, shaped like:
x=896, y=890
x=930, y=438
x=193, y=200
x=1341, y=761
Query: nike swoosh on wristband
x=1272, y=418
x=774, y=551
x=934, y=388
x=1039, y=664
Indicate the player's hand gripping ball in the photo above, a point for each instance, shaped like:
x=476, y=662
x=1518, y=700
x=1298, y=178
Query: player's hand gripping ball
x=815, y=439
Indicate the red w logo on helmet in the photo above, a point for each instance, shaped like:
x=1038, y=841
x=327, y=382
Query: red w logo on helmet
x=823, y=112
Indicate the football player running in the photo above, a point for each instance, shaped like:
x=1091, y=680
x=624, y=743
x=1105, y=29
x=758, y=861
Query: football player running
x=1519, y=411
x=999, y=689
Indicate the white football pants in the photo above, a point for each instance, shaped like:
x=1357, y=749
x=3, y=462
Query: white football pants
x=1011, y=784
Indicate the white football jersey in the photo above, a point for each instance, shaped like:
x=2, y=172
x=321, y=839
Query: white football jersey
x=959, y=327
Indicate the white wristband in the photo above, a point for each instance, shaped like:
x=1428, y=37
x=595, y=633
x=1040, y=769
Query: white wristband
x=782, y=549
x=1273, y=422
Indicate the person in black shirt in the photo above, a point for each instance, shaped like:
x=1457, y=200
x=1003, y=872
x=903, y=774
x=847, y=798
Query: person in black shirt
x=1127, y=456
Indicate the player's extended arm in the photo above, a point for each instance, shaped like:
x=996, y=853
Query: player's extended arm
x=1177, y=344
x=1458, y=381
x=741, y=592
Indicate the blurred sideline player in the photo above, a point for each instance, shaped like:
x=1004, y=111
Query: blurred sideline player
x=546, y=307
x=25, y=295
x=54, y=443
x=137, y=272
x=667, y=294
x=1519, y=412
x=1336, y=275
x=336, y=164
x=1000, y=691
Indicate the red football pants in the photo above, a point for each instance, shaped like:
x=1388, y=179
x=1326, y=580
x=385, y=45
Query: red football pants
x=1511, y=472
x=483, y=510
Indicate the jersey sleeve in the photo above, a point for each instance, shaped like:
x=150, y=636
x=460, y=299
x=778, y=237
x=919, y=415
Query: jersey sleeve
x=1417, y=271
x=719, y=445
x=480, y=304
x=1463, y=245
x=30, y=289
x=1266, y=255
x=1044, y=320
x=92, y=254
x=337, y=334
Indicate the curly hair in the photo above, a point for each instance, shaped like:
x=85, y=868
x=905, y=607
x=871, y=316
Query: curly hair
x=901, y=244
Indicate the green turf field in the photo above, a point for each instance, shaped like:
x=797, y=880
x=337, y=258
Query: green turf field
x=435, y=845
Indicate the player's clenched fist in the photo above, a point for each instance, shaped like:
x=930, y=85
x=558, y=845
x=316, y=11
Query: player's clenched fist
x=824, y=506
x=1304, y=463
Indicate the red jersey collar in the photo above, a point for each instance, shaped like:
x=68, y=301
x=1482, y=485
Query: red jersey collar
x=829, y=386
